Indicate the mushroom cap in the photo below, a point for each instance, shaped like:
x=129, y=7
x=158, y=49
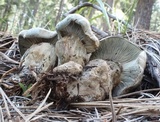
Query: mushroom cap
x=130, y=56
x=132, y=74
x=78, y=25
x=27, y=38
x=116, y=49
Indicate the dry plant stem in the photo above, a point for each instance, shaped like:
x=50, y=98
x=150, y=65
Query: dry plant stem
x=154, y=34
x=134, y=103
x=101, y=34
x=81, y=112
x=140, y=111
x=114, y=118
x=96, y=111
x=34, y=85
x=9, y=59
x=20, y=64
x=1, y=115
x=119, y=110
x=86, y=4
x=7, y=72
x=6, y=38
x=16, y=109
x=30, y=89
x=38, y=117
x=3, y=45
x=10, y=51
x=6, y=106
x=40, y=108
x=137, y=92
x=35, y=75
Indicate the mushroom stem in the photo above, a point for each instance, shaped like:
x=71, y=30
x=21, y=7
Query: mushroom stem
x=70, y=48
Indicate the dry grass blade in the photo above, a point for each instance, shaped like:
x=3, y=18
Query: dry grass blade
x=137, y=92
x=3, y=45
x=1, y=115
x=9, y=59
x=128, y=102
x=97, y=114
x=6, y=106
x=6, y=73
x=40, y=108
x=37, y=117
x=114, y=118
x=16, y=109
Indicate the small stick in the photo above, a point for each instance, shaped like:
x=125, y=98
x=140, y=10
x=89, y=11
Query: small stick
x=87, y=4
x=15, y=108
x=114, y=118
x=7, y=72
x=30, y=89
x=137, y=92
x=5, y=44
x=9, y=59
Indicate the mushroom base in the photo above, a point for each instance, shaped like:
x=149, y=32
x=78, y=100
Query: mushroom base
x=93, y=83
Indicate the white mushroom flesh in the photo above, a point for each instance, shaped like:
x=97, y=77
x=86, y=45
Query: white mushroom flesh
x=70, y=48
x=94, y=83
x=69, y=67
x=78, y=25
x=39, y=57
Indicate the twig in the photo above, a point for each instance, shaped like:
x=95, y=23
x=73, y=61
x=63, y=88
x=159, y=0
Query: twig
x=9, y=59
x=7, y=38
x=114, y=118
x=6, y=73
x=86, y=4
x=6, y=106
x=30, y=89
x=100, y=34
x=1, y=115
x=40, y=108
x=16, y=109
x=37, y=117
x=97, y=114
x=137, y=92
x=6, y=44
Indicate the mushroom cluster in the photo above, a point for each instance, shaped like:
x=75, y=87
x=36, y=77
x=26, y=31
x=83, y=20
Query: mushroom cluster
x=131, y=59
x=76, y=39
x=94, y=67
x=37, y=50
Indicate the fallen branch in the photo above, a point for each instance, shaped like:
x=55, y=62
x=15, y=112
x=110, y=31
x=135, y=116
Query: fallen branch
x=87, y=4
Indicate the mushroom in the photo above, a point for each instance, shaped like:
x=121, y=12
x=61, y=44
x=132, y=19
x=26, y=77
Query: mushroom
x=37, y=49
x=65, y=79
x=69, y=67
x=131, y=58
x=96, y=80
x=75, y=39
x=90, y=83
x=27, y=38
